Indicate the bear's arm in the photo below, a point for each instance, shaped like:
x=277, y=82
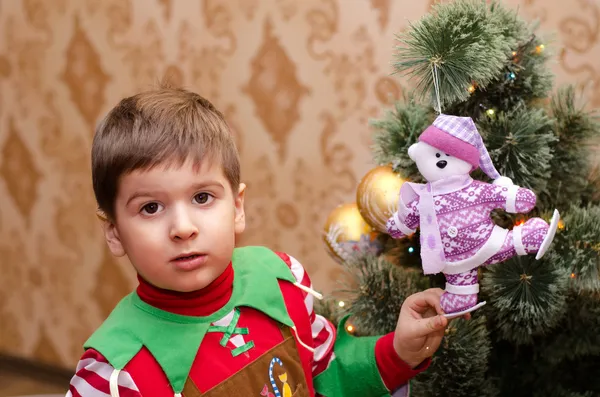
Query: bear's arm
x=404, y=224
x=513, y=199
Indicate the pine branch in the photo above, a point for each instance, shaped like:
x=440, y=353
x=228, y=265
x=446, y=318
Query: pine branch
x=570, y=357
x=574, y=127
x=591, y=193
x=574, y=124
x=543, y=317
x=524, y=78
x=578, y=334
x=578, y=248
x=561, y=392
x=380, y=290
x=526, y=297
x=328, y=309
x=459, y=367
x=511, y=362
x=518, y=143
x=466, y=40
x=396, y=131
x=403, y=252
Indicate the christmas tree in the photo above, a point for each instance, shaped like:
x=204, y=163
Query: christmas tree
x=539, y=333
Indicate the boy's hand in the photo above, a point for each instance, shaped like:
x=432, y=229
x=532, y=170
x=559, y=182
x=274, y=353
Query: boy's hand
x=420, y=327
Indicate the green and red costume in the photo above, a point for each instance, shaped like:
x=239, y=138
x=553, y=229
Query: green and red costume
x=252, y=332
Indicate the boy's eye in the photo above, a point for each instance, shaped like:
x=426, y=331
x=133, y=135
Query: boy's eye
x=202, y=198
x=151, y=208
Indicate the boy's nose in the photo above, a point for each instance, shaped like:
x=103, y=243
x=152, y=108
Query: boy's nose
x=183, y=234
x=183, y=228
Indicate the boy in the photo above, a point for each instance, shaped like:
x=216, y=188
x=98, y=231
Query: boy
x=208, y=319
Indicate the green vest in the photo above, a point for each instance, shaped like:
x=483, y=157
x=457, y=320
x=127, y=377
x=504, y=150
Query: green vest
x=174, y=340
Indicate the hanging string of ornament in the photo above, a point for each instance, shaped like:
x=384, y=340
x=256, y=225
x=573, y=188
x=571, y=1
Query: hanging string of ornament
x=436, y=83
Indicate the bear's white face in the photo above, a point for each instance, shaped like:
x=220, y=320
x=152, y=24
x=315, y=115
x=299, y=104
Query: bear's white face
x=434, y=164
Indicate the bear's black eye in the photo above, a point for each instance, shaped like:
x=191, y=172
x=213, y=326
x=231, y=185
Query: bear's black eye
x=438, y=155
x=447, y=155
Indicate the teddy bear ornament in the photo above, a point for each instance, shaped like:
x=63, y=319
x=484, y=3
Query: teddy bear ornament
x=453, y=212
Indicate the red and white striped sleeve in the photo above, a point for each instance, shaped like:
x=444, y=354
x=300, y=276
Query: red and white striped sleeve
x=92, y=378
x=323, y=331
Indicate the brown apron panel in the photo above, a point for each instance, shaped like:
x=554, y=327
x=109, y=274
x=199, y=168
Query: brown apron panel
x=281, y=365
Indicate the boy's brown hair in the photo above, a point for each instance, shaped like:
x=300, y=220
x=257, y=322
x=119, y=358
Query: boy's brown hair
x=154, y=128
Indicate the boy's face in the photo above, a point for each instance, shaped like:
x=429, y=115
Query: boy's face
x=177, y=225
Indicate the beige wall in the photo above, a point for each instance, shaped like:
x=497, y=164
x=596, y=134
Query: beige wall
x=298, y=81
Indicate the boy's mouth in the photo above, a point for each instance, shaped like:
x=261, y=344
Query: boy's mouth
x=189, y=261
x=185, y=257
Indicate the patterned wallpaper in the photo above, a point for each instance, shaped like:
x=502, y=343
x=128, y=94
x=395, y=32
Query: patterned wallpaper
x=298, y=81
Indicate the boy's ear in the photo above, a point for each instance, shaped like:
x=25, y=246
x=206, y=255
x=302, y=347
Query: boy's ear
x=111, y=234
x=240, y=216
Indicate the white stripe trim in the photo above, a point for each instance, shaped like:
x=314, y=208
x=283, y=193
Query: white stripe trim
x=104, y=370
x=100, y=368
x=511, y=199
x=462, y=289
x=518, y=240
x=85, y=389
x=114, y=383
x=322, y=349
x=309, y=303
x=317, y=326
x=297, y=269
x=487, y=250
x=85, y=362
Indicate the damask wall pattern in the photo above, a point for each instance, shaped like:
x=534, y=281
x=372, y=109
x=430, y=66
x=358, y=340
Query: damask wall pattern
x=297, y=80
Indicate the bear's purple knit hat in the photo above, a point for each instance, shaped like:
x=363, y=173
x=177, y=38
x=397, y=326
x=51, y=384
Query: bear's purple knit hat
x=458, y=137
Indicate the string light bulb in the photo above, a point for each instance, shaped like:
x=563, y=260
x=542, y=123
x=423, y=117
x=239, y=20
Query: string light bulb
x=539, y=49
x=471, y=89
x=350, y=328
x=514, y=53
x=490, y=112
x=341, y=304
x=572, y=275
x=561, y=224
x=411, y=250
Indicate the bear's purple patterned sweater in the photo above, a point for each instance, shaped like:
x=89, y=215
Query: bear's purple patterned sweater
x=464, y=217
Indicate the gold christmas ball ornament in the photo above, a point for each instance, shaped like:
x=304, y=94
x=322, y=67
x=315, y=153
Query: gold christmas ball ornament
x=377, y=196
x=346, y=233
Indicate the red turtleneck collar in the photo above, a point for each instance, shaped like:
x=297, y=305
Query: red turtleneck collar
x=196, y=303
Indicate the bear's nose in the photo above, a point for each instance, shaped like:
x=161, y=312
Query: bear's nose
x=441, y=164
